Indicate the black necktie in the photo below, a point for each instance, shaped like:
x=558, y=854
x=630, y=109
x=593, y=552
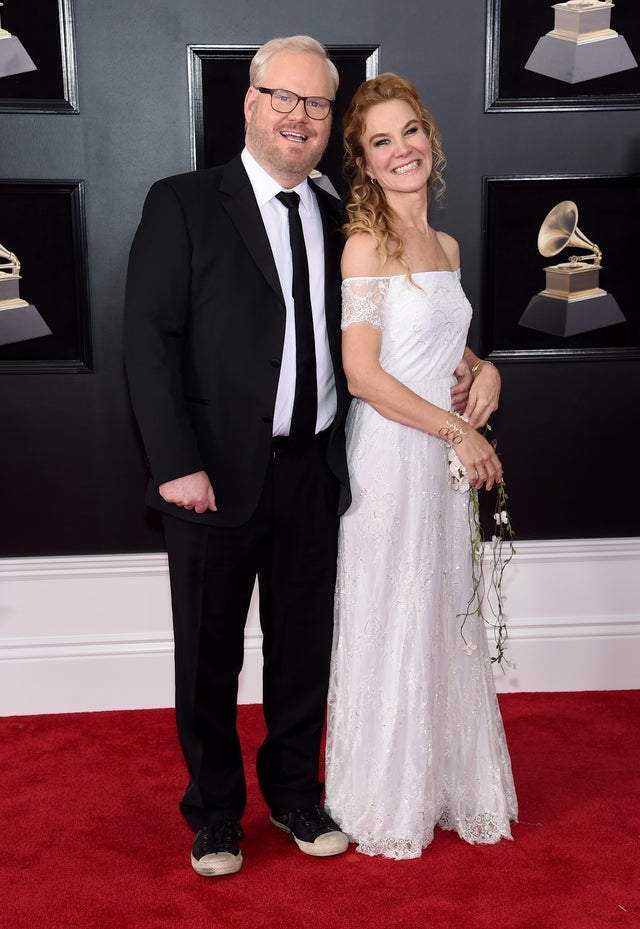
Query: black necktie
x=305, y=401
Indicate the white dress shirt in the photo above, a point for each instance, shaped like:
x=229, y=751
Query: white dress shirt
x=276, y=221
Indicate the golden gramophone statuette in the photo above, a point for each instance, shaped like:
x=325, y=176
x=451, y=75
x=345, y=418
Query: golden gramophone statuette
x=582, y=45
x=19, y=320
x=572, y=301
x=14, y=58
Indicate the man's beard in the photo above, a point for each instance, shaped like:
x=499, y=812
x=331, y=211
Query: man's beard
x=263, y=145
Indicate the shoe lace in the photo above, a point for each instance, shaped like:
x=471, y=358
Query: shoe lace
x=315, y=816
x=222, y=838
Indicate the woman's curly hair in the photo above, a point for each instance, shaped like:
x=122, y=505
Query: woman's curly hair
x=367, y=207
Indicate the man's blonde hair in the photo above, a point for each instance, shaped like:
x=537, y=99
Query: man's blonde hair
x=292, y=43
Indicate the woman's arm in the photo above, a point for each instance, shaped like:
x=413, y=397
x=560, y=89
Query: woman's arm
x=367, y=380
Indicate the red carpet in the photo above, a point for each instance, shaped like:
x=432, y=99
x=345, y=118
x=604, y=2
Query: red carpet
x=91, y=836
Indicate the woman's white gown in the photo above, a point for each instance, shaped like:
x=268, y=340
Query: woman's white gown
x=415, y=737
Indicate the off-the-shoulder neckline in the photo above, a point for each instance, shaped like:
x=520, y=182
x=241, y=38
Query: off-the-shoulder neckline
x=391, y=277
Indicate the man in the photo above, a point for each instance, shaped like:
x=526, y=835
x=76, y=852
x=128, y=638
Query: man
x=213, y=362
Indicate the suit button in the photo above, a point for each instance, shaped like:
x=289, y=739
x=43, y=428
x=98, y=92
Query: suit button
x=267, y=419
x=275, y=362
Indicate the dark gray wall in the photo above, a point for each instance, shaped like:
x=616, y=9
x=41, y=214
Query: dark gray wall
x=72, y=470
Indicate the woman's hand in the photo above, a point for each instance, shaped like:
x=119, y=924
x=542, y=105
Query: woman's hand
x=479, y=458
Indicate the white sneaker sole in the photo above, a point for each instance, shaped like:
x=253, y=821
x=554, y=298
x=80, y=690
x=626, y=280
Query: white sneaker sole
x=217, y=864
x=331, y=843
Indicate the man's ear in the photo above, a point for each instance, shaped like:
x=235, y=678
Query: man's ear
x=250, y=100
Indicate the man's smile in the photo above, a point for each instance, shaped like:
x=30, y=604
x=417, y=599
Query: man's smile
x=292, y=135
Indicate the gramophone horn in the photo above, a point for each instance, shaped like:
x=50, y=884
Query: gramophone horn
x=560, y=229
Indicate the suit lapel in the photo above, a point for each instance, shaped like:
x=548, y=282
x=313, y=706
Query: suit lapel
x=332, y=218
x=240, y=203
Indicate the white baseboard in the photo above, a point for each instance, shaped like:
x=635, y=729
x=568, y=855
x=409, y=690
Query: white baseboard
x=94, y=633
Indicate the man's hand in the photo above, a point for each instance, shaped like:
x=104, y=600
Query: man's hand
x=460, y=391
x=193, y=492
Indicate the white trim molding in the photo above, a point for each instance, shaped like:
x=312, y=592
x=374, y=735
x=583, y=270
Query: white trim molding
x=573, y=610
x=90, y=633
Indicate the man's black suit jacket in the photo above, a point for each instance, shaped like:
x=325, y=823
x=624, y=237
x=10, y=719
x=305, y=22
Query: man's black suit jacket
x=204, y=333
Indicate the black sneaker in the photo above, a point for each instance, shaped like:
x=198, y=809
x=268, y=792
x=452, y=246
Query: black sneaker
x=215, y=849
x=313, y=831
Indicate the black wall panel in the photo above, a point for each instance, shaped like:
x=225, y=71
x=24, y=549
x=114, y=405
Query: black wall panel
x=72, y=470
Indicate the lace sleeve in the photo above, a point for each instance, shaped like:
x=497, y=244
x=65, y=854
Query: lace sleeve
x=363, y=300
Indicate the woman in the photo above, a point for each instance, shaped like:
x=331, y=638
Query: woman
x=415, y=738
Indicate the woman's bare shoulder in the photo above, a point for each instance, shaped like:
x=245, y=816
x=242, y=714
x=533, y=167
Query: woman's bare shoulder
x=360, y=257
x=451, y=249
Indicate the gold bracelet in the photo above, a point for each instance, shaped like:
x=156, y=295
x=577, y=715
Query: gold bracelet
x=484, y=361
x=452, y=432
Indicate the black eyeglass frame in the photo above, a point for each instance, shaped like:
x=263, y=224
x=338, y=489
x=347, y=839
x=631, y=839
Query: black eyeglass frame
x=272, y=90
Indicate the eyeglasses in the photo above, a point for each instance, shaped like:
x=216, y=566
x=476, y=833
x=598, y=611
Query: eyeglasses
x=285, y=101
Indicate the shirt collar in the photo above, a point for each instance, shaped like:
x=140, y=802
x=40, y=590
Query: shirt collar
x=266, y=188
